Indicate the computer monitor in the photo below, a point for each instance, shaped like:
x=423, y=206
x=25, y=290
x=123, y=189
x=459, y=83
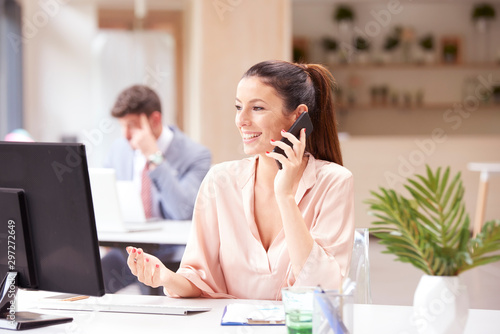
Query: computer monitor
x=47, y=225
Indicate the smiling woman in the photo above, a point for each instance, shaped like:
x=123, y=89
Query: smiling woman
x=304, y=87
x=257, y=228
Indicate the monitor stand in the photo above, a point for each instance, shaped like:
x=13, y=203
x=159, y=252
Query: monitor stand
x=11, y=319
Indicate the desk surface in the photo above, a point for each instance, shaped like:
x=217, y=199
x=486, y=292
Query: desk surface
x=367, y=319
x=174, y=232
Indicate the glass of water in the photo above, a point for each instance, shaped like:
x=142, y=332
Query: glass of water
x=298, y=304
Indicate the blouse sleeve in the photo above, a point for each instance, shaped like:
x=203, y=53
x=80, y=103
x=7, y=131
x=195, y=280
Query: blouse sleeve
x=200, y=263
x=333, y=234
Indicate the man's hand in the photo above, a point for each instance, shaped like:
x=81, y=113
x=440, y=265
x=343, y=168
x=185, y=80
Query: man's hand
x=143, y=137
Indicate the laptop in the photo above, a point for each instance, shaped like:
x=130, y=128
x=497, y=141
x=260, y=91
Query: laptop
x=117, y=204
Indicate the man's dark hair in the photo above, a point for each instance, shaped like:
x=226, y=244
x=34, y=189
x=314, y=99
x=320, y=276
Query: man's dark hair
x=138, y=99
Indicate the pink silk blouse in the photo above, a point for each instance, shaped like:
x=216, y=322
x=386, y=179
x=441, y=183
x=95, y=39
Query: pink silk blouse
x=225, y=257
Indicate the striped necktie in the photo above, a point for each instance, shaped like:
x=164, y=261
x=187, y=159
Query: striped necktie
x=147, y=200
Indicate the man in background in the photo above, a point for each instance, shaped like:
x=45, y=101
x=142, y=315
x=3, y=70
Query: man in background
x=166, y=165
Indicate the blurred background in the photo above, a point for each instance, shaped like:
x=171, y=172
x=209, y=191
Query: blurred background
x=417, y=82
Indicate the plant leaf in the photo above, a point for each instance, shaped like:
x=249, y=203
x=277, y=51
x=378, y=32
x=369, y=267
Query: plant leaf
x=430, y=229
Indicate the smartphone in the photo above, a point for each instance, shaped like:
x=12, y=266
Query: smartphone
x=304, y=121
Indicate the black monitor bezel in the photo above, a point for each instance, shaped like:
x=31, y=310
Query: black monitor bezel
x=68, y=163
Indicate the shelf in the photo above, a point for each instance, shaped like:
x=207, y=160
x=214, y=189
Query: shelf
x=395, y=66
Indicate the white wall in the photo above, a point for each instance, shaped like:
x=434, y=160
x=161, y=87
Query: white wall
x=58, y=74
x=384, y=161
x=57, y=68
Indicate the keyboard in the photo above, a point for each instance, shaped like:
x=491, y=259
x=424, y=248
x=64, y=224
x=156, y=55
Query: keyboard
x=121, y=304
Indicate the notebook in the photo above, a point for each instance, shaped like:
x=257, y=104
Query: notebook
x=117, y=204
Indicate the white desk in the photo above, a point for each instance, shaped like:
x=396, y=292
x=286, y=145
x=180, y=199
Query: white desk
x=175, y=232
x=367, y=319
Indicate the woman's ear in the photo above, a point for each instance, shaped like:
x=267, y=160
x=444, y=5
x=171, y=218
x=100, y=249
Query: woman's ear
x=299, y=110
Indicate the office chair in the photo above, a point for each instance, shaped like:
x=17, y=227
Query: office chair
x=359, y=271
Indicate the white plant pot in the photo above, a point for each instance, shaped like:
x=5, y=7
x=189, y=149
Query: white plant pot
x=482, y=25
x=440, y=305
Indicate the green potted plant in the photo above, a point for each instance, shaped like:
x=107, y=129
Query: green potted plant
x=391, y=44
x=330, y=46
x=343, y=13
x=393, y=39
x=344, y=16
x=427, y=45
x=362, y=46
x=483, y=11
x=496, y=94
x=430, y=230
x=427, y=42
x=482, y=15
x=450, y=53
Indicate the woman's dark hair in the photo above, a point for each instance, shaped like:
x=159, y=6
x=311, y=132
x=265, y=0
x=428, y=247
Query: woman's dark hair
x=138, y=99
x=308, y=84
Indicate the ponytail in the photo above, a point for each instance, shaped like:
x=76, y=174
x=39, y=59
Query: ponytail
x=323, y=142
x=308, y=84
